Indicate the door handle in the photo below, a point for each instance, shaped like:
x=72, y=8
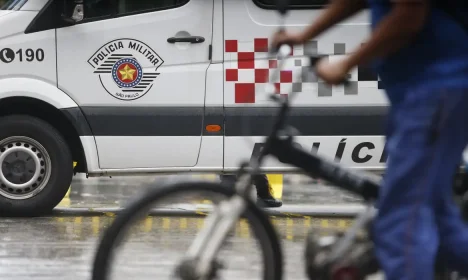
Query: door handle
x=189, y=39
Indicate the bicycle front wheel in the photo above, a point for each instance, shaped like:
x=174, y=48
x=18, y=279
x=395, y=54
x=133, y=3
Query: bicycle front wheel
x=157, y=264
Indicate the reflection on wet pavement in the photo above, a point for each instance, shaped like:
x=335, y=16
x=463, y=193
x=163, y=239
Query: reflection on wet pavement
x=115, y=192
x=63, y=247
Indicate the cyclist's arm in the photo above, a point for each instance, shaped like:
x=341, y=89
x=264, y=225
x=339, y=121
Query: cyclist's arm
x=402, y=24
x=336, y=11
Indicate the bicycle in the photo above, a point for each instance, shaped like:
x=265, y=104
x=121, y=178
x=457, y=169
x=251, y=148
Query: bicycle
x=348, y=254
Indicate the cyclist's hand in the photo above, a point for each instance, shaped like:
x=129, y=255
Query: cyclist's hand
x=282, y=37
x=332, y=73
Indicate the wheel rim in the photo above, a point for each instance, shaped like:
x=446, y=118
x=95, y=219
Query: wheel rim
x=25, y=167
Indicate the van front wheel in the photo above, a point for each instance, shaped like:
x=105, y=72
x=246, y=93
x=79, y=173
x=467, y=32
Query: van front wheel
x=36, y=166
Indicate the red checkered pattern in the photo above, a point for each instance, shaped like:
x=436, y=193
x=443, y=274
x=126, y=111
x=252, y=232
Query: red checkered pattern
x=252, y=69
x=248, y=67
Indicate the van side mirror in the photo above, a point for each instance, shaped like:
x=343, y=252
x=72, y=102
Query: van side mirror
x=77, y=14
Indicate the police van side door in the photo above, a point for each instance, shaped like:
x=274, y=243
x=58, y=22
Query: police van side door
x=137, y=68
x=346, y=124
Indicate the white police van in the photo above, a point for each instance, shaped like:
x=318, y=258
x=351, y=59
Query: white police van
x=146, y=86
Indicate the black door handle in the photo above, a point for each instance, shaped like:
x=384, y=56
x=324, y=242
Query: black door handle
x=189, y=39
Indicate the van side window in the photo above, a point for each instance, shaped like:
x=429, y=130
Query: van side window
x=11, y=4
x=97, y=8
x=293, y=4
x=131, y=6
x=109, y=8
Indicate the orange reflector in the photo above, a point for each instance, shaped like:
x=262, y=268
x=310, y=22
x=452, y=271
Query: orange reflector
x=213, y=128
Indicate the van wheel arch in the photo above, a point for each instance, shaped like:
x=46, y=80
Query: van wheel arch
x=38, y=145
x=57, y=118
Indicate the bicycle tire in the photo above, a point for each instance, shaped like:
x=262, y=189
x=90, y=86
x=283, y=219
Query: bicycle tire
x=261, y=226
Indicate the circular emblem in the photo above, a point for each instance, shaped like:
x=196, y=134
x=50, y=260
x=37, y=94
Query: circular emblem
x=127, y=72
x=118, y=65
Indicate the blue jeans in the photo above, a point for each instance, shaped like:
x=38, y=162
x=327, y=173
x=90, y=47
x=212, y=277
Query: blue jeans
x=417, y=215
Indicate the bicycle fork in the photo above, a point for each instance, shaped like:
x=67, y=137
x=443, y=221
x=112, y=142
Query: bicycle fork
x=199, y=258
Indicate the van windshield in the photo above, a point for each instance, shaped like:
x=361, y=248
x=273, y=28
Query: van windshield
x=12, y=4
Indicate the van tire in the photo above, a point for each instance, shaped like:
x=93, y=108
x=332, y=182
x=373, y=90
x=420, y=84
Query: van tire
x=51, y=166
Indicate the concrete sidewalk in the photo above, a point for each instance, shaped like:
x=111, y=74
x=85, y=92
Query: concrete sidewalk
x=107, y=196
x=291, y=210
x=300, y=191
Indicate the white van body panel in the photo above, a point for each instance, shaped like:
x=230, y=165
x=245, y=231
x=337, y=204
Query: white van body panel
x=28, y=65
x=358, y=152
x=136, y=129
x=115, y=151
x=176, y=78
x=218, y=33
x=34, y=88
x=30, y=56
x=247, y=28
x=28, y=61
x=212, y=146
x=91, y=154
x=4, y=13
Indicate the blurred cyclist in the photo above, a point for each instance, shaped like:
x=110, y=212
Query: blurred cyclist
x=421, y=55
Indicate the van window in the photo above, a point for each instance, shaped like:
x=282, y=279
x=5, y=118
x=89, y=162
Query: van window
x=293, y=4
x=12, y=4
x=97, y=8
x=131, y=6
x=102, y=8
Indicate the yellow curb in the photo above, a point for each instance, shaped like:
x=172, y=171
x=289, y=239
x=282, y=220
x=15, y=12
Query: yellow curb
x=65, y=202
x=67, y=195
x=289, y=228
x=276, y=182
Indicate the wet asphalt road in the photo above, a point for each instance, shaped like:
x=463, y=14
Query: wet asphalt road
x=62, y=247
